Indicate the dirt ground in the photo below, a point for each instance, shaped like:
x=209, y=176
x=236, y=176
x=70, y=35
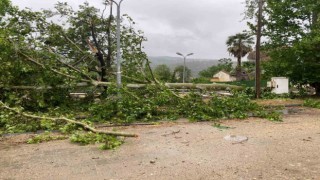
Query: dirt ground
x=287, y=150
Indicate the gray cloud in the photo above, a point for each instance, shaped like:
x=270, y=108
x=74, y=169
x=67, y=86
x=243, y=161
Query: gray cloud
x=199, y=26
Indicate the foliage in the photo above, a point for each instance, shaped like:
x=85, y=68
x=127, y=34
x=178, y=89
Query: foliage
x=312, y=103
x=148, y=104
x=201, y=80
x=4, y=5
x=239, y=45
x=300, y=62
x=271, y=116
x=10, y=123
x=157, y=104
x=249, y=67
x=292, y=32
x=107, y=142
x=45, y=137
x=152, y=103
x=265, y=94
x=163, y=73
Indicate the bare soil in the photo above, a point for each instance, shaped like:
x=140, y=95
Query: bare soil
x=180, y=150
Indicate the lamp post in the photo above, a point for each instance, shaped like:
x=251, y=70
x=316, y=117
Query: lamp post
x=184, y=64
x=118, y=44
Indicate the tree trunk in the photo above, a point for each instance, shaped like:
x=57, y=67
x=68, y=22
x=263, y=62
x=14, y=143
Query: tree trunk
x=239, y=69
x=103, y=66
x=99, y=54
x=317, y=87
x=315, y=16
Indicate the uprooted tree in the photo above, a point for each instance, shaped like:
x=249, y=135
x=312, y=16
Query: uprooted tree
x=49, y=54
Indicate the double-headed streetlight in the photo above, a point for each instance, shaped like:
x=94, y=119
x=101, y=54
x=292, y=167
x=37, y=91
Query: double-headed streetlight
x=184, y=64
x=118, y=44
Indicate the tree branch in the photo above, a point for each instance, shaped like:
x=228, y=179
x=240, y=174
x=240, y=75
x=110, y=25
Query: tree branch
x=51, y=69
x=71, y=42
x=72, y=67
x=84, y=125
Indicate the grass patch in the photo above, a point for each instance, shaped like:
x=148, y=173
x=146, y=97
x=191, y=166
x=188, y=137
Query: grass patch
x=45, y=137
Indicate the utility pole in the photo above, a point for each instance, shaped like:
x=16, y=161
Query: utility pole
x=258, y=45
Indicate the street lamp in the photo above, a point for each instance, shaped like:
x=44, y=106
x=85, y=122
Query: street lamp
x=118, y=44
x=184, y=64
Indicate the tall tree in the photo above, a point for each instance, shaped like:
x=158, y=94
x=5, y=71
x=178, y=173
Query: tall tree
x=239, y=45
x=292, y=27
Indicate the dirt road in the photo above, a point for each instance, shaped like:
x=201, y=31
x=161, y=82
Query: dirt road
x=287, y=150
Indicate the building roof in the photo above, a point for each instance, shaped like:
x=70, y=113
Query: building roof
x=223, y=72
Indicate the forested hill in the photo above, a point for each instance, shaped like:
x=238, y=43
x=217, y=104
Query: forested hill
x=196, y=65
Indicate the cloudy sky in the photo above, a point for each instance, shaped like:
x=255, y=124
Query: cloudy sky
x=198, y=26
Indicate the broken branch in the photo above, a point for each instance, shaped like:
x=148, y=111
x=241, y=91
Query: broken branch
x=84, y=125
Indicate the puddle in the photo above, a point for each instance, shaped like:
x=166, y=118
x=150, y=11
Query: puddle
x=288, y=111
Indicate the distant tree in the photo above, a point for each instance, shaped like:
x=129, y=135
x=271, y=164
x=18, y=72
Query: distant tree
x=239, y=45
x=209, y=72
x=201, y=80
x=224, y=64
x=163, y=73
x=177, y=75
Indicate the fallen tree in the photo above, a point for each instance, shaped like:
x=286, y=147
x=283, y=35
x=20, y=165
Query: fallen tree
x=136, y=86
x=83, y=125
x=202, y=86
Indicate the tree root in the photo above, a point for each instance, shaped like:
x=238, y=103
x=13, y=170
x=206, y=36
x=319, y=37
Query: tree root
x=85, y=126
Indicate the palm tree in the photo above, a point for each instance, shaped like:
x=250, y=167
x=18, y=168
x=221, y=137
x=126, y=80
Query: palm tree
x=239, y=46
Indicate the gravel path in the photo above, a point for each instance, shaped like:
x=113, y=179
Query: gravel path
x=287, y=150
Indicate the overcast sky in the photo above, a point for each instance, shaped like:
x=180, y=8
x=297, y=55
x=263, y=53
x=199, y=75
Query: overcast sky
x=198, y=26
